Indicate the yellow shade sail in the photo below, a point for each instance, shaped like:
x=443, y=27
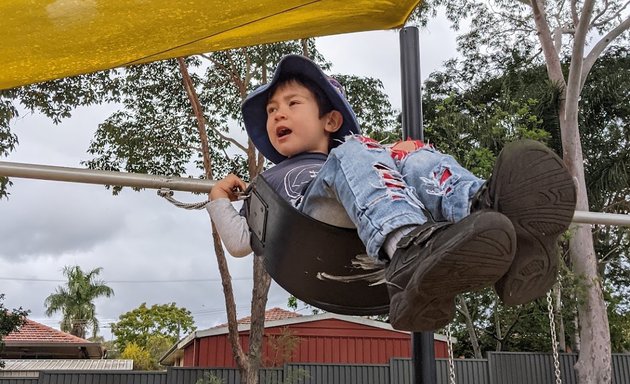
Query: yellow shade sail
x=49, y=39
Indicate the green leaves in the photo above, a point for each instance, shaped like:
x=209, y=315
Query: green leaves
x=145, y=334
x=8, y=140
x=10, y=321
x=375, y=114
x=143, y=324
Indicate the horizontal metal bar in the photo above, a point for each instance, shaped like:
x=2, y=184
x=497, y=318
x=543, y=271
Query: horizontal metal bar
x=91, y=176
x=584, y=217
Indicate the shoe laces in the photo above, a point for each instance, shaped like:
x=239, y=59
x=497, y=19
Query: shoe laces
x=422, y=234
x=481, y=199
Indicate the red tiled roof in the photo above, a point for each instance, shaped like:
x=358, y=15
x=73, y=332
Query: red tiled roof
x=35, y=332
x=270, y=315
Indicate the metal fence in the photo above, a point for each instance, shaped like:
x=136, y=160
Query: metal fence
x=498, y=368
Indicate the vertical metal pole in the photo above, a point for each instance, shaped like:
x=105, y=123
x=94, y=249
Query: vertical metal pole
x=423, y=352
x=411, y=83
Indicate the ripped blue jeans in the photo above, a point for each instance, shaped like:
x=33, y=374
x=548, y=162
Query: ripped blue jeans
x=362, y=185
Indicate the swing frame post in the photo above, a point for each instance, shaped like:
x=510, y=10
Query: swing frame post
x=423, y=349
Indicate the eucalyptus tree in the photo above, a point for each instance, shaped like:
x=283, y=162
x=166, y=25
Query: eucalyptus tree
x=75, y=300
x=456, y=103
x=546, y=32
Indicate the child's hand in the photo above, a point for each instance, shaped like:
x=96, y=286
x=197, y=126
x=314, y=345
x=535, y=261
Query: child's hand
x=228, y=188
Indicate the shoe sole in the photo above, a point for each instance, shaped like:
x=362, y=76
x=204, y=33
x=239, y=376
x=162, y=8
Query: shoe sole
x=465, y=263
x=539, y=198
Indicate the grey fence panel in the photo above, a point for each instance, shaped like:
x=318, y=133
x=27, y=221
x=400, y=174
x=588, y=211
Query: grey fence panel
x=520, y=368
x=101, y=377
x=467, y=371
x=19, y=380
x=567, y=370
x=621, y=368
x=272, y=376
x=193, y=375
x=400, y=371
x=337, y=373
x=499, y=368
x=529, y=368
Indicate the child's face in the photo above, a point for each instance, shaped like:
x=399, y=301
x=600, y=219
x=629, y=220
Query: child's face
x=293, y=122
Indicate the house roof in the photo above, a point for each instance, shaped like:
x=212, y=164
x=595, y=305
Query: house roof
x=272, y=314
x=277, y=317
x=31, y=367
x=33, y=332
x=37, y=338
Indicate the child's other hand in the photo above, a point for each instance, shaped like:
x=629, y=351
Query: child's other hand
x=228, y=188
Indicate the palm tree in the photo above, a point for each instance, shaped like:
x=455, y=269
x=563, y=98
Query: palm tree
x=76, y=300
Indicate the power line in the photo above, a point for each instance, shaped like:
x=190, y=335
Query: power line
x=207, y=280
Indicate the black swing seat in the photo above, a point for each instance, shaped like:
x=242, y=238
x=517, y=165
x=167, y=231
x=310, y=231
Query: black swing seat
x=304, y=256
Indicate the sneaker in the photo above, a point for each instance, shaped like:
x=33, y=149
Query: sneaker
x=532, y=187
x=437, y=261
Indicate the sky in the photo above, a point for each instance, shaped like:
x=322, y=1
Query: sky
x=150, y=251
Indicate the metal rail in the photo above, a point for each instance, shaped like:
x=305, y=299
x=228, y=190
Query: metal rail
x=124, y=179
x=91, y=176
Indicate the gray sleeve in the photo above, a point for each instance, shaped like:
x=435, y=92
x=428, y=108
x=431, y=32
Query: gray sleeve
x=231, y=226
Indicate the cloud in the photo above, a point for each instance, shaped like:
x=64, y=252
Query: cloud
x=47, y=218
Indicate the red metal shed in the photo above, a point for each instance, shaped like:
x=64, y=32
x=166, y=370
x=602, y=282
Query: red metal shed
x=322, y=338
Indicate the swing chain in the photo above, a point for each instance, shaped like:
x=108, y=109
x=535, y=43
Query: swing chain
x=451, y=363
x=554, y=339
x=168, y=195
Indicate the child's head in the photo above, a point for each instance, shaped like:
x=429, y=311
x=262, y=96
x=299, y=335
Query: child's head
x=300, y=110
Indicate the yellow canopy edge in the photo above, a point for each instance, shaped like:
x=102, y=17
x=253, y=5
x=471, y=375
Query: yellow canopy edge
x=49, y=39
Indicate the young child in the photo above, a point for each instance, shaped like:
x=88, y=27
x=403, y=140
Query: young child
x=442, y=230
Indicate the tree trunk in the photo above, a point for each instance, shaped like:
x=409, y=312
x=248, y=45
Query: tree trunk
x=226, y=280
x=497, y=326
x=576, y=333
x=594, y=362
x=463, y=309
x=562, y=341
x=262, y=282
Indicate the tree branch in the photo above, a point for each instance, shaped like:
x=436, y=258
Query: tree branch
x=226, y=279
x=248, y=70
x=511, y=327
x=228, y=71
x=201, y=120
x=600, y=14
x=227, y=138
x=602, y=44
x=574, y=13
x=552, y=59
x=574, y=78
x=230, y=304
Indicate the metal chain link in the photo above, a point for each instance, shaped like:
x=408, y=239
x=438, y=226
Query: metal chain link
x=168, y=195
x=554, y=340
x=451, y=363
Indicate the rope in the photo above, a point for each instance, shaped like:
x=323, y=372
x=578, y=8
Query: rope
x=451, y=363
x=554, y=341
x=168, y=195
